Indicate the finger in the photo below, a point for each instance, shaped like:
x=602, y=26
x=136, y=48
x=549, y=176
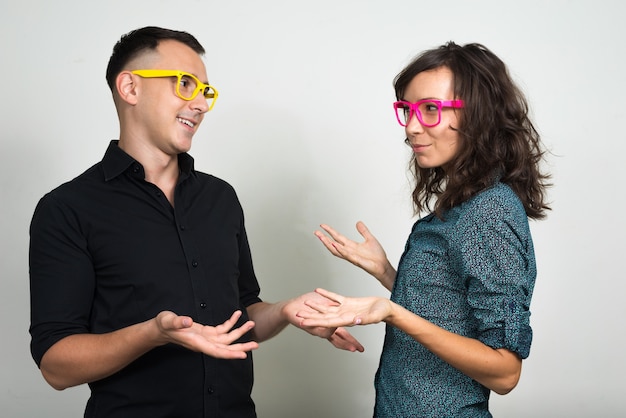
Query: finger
x=316, y=297
x=338, y=250
x=312, y=321
x=306, y=308
x=234, y=351
x=330, y=246
x=225, y=335
x=343, y=334
x=237, y=333
x=334, y=234
x=229, y=323
x=322, y=332
x=175, y=322
x=364, y=231
x=330, y=295
x=316, y=309
x=249, y=346
x=169, y=321
x=305, y=315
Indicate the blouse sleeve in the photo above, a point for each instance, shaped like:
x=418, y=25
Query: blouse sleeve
x=499, y=267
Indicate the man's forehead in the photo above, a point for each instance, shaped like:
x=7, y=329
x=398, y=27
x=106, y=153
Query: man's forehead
x=176, y=55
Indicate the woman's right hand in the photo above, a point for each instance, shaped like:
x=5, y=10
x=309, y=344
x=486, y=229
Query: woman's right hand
x=368, y=255
x=344, y=311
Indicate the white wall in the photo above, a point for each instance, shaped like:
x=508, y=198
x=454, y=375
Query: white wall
x=305, y=132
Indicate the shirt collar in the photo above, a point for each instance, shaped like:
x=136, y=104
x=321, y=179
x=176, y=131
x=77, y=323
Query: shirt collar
x=116, y=161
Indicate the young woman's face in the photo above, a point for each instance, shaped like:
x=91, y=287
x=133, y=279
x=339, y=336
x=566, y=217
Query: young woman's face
x=433, y=146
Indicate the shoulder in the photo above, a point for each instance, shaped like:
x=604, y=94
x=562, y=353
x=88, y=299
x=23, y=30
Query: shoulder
x=78, y=187
x=63, y=204
x=206, y=178
x=496, y=210
x=497, y=201
x=215, y=184
x=213, y=191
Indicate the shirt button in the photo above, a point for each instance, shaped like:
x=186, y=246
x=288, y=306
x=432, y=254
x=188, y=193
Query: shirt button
x=210, y=391
x=135, y=169
x=182, y=227
x=194, y=263
x=202, y=305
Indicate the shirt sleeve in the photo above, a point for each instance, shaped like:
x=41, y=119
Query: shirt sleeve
x=498, y=258
x=249, y=288
x=61, y=276
x=248, y=284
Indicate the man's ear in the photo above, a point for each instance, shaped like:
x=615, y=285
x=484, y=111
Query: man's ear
x=127, y=88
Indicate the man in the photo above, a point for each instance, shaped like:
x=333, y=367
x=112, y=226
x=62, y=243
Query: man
x=142, y=282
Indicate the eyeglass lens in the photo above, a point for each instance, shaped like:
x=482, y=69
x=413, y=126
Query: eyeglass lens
x=188, y=86
x=428, y=113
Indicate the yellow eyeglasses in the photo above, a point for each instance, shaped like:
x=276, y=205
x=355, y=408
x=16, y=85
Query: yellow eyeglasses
x=187, y=87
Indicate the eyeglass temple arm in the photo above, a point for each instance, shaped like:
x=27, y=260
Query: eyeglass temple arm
x=453, y=103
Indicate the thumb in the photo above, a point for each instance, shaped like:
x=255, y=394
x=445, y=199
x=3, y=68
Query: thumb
x=363, y=230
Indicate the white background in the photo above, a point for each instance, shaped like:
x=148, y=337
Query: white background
x=304, y=131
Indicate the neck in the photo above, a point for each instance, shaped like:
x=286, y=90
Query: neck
x=161, y=169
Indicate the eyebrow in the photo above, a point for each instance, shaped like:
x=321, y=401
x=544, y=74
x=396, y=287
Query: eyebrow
x=424, y=98
x=195, y=75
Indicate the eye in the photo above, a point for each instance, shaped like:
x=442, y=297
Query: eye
x=404, y=110
x=430, y=107
x=208, y=93
x=187, y=83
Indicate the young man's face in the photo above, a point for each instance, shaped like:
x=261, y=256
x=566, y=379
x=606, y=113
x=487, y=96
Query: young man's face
x=166, y=121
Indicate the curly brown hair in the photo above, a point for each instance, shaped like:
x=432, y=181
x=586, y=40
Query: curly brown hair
x=497, y=138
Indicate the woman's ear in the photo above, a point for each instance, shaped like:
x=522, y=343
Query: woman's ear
x=127, y=87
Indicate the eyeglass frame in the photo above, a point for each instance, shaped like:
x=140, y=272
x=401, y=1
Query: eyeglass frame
x=414, y=110
x=200, y=86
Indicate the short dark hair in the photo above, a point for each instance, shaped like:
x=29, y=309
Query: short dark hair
x=497, y=138
x=147, y=38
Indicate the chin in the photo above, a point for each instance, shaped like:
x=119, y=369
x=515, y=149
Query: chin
x=182, y=146
x=425, y=164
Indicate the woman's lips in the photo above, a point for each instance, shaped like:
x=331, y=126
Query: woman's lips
x=418, y=148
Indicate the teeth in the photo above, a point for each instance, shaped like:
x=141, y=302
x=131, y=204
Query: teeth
x=186, y=122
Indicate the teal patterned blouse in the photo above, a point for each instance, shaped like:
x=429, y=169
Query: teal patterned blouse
x=472, y=274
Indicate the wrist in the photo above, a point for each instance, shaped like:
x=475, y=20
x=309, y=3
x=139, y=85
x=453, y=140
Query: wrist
x=392, y=312
x=283, y=309
x=388, y=275
x=153, y=332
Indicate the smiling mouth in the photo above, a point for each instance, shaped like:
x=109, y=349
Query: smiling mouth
x=418, y=147
x=186, y=122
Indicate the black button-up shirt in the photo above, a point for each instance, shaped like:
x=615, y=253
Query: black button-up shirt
x=108, y=250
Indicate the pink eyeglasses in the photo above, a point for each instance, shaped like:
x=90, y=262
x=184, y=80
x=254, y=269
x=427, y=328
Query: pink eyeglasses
x=428, y=111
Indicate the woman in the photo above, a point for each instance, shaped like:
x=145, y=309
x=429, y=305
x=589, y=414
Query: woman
x=458, y=317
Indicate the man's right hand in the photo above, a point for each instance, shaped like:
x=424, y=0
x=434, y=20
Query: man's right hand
x=214, y=341
x=84, y=358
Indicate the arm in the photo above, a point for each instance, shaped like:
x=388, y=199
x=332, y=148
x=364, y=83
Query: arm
x=83, y=358
x=499, y=289
x=272, y=318
x=368, y=255
x=497, y=369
